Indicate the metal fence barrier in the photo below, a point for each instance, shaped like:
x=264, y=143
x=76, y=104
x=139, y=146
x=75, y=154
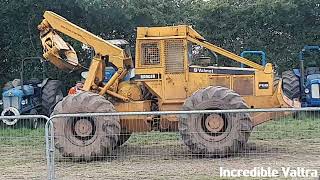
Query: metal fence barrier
x=63, y=147
x=22, y=147
x=88, y=146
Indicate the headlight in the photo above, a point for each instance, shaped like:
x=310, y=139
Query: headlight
x=24, y=102
x=306, y=91
x=1, y=102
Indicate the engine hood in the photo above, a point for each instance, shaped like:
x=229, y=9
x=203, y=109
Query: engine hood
x=17, y=91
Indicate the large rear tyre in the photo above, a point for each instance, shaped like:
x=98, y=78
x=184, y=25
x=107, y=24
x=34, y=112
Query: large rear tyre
x=290, y=85
x=215, y=134
x=51, y=95
x=85, y=138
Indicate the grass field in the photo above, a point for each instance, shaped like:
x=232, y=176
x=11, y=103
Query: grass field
x=155, y=155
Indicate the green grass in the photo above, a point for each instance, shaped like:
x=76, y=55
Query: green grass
x=22, y=132
x=22, y=137
x=303, y=127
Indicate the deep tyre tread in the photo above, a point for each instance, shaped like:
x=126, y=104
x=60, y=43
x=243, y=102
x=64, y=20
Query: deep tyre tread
x=51, y=95
x=290, y=85
x=215, y=98
x=107, y=127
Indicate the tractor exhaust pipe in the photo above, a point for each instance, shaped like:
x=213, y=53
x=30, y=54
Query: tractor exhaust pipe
x=302, y=74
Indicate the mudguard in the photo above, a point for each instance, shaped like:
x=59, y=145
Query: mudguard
x=297, y=72
x=44, y=82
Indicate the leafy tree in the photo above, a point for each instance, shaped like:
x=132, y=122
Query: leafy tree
x=279, y=27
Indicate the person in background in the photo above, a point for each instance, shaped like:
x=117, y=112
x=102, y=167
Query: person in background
x=77, y=88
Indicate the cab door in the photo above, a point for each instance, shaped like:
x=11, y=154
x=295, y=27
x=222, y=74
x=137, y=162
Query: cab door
x=174, y=74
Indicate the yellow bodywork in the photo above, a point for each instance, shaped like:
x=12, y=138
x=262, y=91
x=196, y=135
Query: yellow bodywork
x=163, y=65
x=190, y=78
x=255, y=84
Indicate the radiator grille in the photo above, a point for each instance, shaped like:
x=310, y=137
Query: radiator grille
x=150, y=54
x=11, y=102
x=174, y=54
x=315, y=92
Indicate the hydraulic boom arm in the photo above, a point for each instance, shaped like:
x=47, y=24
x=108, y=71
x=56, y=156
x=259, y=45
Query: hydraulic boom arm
x=226, y=53
x=61, y=54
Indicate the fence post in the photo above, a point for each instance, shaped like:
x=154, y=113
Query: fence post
x=49, y=131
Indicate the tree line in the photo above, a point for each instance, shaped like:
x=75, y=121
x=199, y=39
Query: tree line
x=279, y=27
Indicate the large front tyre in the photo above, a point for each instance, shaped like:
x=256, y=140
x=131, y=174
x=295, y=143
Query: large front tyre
x=85, y=138
x=217, y=134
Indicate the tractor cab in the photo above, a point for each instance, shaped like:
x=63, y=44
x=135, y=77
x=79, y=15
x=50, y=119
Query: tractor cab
x=199, y=56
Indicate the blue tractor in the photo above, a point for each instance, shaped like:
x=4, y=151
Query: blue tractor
x=29, y=97
x=303, y=84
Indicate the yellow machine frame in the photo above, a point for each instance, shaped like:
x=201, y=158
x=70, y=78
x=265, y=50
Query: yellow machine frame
x=171, y=83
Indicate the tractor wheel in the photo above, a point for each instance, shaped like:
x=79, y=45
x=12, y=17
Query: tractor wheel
x=11, y=123
x=217, y=134
x=51, y=95
x=85, y=138
x=290, y=85
x=123, y=137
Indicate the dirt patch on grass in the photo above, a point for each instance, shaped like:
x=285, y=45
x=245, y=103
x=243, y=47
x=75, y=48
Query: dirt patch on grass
x=158, y=155
x=175, y=162
x=156, y=159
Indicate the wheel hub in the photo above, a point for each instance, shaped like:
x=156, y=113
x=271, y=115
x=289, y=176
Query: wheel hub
x=83, y=128
x=214, y=123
